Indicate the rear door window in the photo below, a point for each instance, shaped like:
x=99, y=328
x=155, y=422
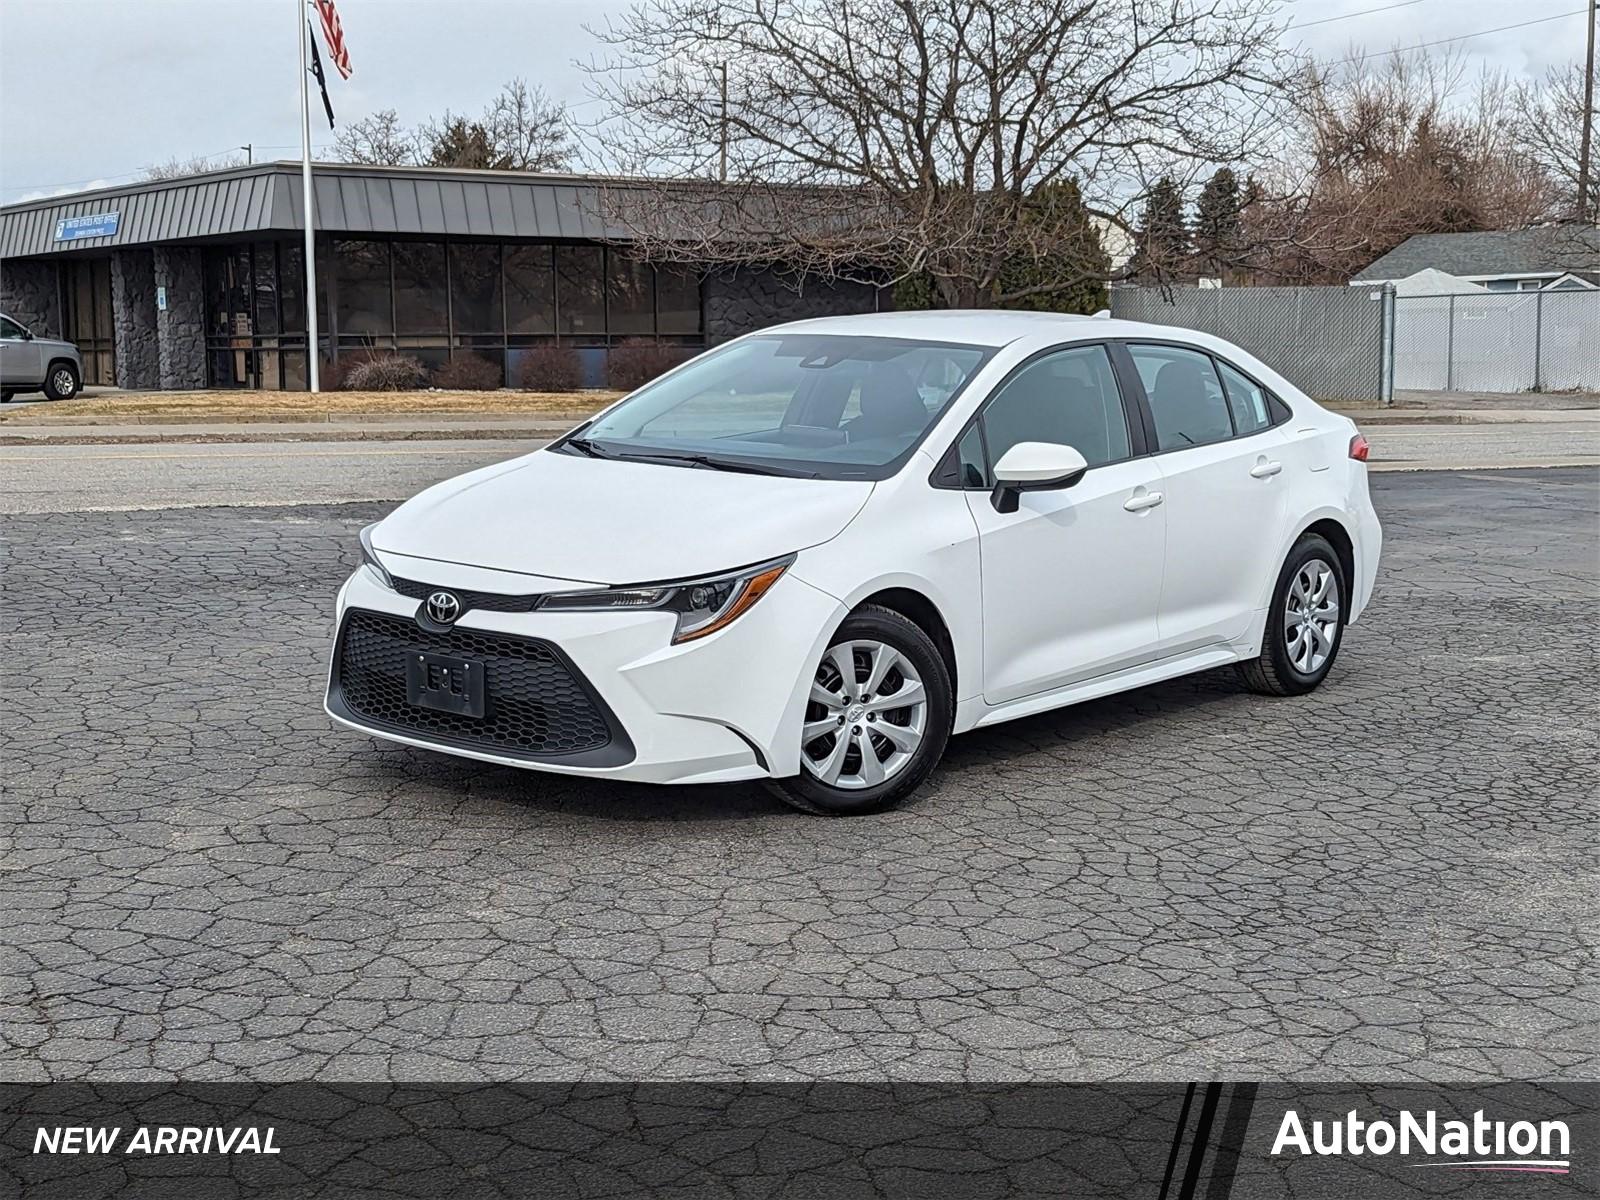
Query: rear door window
x=1186, y=397
x=1247, y=401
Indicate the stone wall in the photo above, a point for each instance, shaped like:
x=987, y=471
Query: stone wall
x=742, y=300
x=133, y=319
x=181, y=329
x=30, y=292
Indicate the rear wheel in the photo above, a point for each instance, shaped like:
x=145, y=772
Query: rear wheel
x=1304, y=624
x=878, y=719
x=5, y=397
x=61, y=383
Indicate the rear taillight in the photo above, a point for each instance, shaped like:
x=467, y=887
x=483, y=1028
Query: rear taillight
x=1359, y=448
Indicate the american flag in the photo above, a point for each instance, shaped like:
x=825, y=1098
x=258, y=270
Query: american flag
x=333, y=34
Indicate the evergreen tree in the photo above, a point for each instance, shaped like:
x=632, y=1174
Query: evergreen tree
x=1068, y=273
x=1217, y=233
x=1161, y=242
x=461, y=143
x=1065, y=273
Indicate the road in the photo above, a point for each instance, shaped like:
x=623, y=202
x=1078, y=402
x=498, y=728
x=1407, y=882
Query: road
x=1390, y=879
x=73, y=478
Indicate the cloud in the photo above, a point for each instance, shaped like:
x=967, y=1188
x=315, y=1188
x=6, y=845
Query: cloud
x=65, y=190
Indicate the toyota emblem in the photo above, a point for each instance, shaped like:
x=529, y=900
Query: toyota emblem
x=443, y=608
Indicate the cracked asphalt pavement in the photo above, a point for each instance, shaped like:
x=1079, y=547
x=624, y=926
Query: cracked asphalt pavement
x=1391, y=879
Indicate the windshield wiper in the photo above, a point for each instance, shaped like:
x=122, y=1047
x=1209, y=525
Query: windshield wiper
x=720, y=464
x=585, y=447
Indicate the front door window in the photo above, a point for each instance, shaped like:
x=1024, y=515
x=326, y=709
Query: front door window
x=1072, y=578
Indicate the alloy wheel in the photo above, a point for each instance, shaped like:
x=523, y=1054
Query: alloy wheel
x=866, y=716
x=1311, y=616
x=63, y=382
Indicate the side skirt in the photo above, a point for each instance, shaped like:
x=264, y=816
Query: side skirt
x=980, y=714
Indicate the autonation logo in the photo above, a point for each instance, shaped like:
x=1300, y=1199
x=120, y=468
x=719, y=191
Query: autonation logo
x=1476, y=1145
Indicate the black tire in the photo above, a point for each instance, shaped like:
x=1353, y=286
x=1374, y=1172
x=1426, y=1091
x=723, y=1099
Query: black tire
x=54, y=386
x=870, y=622
x=5, y=397
x=1275, y=673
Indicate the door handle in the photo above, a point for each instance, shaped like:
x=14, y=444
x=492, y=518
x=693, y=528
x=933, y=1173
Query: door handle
x=1140, y=503
x=1265, y=469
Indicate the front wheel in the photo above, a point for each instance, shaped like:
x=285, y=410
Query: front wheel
x=62, y=381
x=878, y=719
x=1304, y=624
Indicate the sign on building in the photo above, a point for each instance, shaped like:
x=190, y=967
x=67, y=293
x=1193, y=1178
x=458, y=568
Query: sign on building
x=90, y=225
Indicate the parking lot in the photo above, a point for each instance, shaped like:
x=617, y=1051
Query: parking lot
x=1393, y=878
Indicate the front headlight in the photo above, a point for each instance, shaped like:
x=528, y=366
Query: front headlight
x=370, y=557
x=703, y=606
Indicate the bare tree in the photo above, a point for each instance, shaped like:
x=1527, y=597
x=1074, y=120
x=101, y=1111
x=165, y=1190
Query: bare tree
x=528, y=130
x=1549, y=129
x=378, y=140
x=175, y=167
x=521, y=129
x=1384, y=149
x=878, y=139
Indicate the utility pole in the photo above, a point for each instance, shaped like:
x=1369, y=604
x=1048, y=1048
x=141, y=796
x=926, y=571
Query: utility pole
x=722, y=158
x=249, y=153
x=1588, y=117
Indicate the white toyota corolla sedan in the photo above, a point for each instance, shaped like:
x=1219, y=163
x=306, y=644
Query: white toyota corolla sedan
x=813, y=554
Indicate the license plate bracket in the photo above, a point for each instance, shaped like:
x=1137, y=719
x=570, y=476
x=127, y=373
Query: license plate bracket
x=445, y=684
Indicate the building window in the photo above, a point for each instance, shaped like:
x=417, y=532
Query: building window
x=475, y=296
x=420, y=301
x=432, y=300
x=580, y=294
x=362, y=283
x=292, y=287
x=530, y=289
x=677, y=301
x=265, y=288
x=630, y=296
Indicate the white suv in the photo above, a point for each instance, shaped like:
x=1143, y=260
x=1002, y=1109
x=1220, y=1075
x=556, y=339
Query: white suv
x=814, y=553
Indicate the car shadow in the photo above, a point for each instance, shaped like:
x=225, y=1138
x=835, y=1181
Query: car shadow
x=1060, y=732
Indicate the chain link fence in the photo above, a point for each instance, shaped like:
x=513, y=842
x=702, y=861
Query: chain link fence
x=1498, y=342
x=1327, y=341
x=1331, y=341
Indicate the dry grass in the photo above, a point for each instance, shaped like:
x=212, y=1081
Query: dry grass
x=302, y=406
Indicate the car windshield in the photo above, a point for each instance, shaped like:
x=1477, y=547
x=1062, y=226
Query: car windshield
x=826, y=405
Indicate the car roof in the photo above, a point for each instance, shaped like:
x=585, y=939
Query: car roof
x=981, y=326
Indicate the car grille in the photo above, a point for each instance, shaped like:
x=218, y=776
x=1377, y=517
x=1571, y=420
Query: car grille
x=536, y=704
x=483, y=601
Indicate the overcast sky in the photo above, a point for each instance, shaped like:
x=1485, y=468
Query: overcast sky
x=91, y=91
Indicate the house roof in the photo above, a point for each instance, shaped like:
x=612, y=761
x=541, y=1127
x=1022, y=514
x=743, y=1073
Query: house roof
x=1546, y=249
x=265, y=199
x=1433, y=282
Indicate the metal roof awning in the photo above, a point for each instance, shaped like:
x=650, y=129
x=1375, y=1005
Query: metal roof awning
x=265, y=199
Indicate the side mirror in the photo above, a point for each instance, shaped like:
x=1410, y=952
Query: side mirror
x=27, y=335
x=1034, y=467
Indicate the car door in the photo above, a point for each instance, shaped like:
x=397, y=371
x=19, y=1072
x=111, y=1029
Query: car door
x=20, y=363
x=1071, y=580
x=1222, y=463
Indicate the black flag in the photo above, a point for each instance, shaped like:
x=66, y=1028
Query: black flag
x=316, y=69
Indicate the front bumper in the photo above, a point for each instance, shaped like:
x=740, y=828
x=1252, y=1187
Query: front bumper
x=722, y=708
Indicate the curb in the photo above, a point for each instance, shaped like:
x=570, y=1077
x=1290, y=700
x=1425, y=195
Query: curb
x=27, y=420
x=1373, y=417
x=376, y=434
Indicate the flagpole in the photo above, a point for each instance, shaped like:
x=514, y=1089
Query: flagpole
x=301, y=31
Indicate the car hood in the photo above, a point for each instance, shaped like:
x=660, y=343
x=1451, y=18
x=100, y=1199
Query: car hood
x=609, y=522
